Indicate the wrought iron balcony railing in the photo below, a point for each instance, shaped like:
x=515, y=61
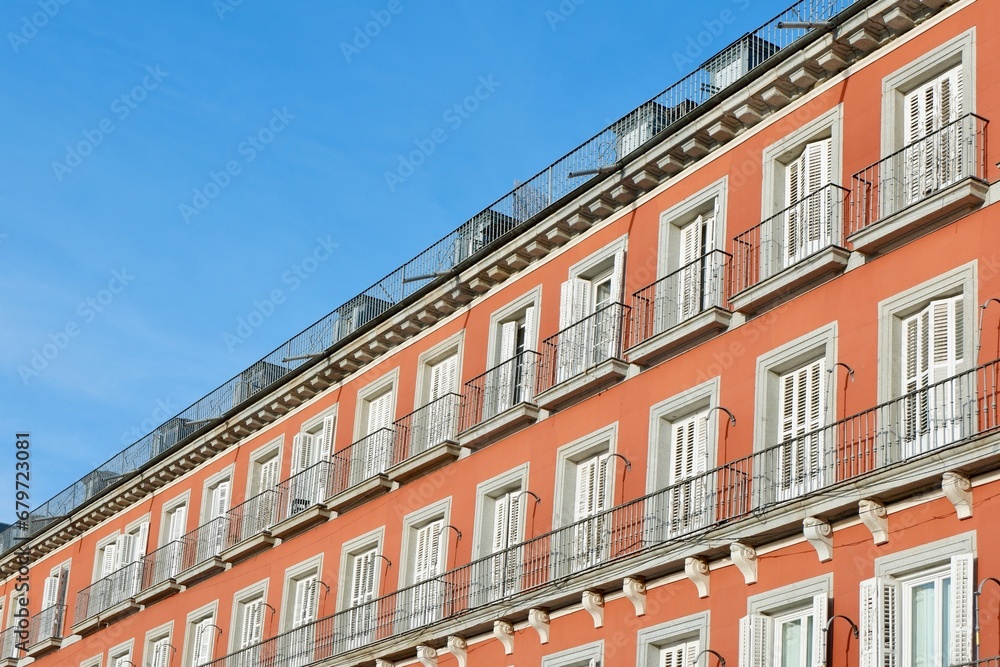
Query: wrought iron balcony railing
x=680, y=295
x=425, y=427
x=163, y=564
x=485, y=230
x=793, y=235
x=927, y=420
x=46, y=624
x=918, y=171
x=303, y=490
x=109, y=591
x=583, y=345
x=9, y=639
x=500, y=388
x=253, y=516
x=362, y=460
x=205, y=542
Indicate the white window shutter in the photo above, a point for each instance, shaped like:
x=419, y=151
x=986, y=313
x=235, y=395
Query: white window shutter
x=304, y=603
x=618, y=277
x=946, y=331
x=574, y=301
x=501, y=517
x=378, y=412
x=879, y=622
x=253, y=620
x=689, y=289
x=268, y=474
x=50, y=591
x=443, y=377
x=141, y=540
x=161, y=652
x=962, y=583
x=109, y=558
x=755, y=641
x=363, y=578
x=529, y=328
x=586, y=487
x=178, y=523
x=327, y=435
x=508, y=341
x=820, y=607
x=427, y=552
x=203, y=641
x=124, y=550
x=220, y=499
x=302, y=452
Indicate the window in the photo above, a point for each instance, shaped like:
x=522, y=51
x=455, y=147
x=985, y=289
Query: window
x=121, y=656
x=785, y=627
x=926, y=347
x=499, y=521
x=310, y=480
x=802, y=194
x=158, y=649
x=590, y=655
x=684, y=433
x=918, y=610
x=302, y=589
x=436, y=417
x=258, y=512
x=120, y=567
x=673, y=644
x=169, y=559
x=201, y=636
x=53, y=606
x=248, y=624
x=376, y=412
x=91, y=662
x=215, y=506
x=794, y=405
x=589, y=319
x=359, y=572
x=512, y=346
x=425, y=548
x=585, y=471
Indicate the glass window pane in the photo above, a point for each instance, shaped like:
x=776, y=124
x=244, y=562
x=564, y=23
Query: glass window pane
x=922, y=613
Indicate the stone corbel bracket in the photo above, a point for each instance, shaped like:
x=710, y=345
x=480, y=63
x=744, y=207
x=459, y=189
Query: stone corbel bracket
x=459, y=648
x=540, y=621
x=958, y=489
x=504, y=631
x=819, y=533
x=876, y=519
x=745, y=558
x=427, y=656
x=634, y=588
x=697, y=571
x=593, y=602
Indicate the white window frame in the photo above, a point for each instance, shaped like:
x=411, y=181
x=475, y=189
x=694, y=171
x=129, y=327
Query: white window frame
x=454, y=345
x=153, y=636
x=208, y=612
x=588, y=655
x=308, y=568
x=123, y=650
x=208, y=491
x=412, y=522
x=811, y=597
x=273, y=449
x=95, y=661
x=487, y=495
x=387, y=383
x=600, y=264
x=600, y=442
x=652, y=640
x=958, y=51
x=242, y=598
x=712, y=198
x=511, y=312
x=350, y=549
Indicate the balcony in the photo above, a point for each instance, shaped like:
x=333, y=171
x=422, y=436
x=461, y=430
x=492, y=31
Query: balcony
x=500, y=401
x=425, y=439
x=583, y=358
x=925, y=185
x=201, y=551
x=250, y=526
x=108, y=598
x=9, y=653
x=159, y=573
x=790, y=252
x=886, y=451
x=45, y=631
x=359, y=470
x=299, y=500
x=680, y=310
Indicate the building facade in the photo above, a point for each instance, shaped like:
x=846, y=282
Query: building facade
x=731, y=396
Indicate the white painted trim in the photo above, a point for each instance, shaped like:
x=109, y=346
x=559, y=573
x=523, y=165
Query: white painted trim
x=515, y=478
x=602, y=441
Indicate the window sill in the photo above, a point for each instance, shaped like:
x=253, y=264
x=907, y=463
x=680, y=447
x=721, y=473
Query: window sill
x=583, y=385
x=359, y=493
x=158, y=592
x=922, y=217
x=679, y=337
x=439, y=455
x=260, y=542
x=792, y=281
x=498, y=426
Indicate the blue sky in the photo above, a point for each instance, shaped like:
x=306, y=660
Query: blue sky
x=168, y=166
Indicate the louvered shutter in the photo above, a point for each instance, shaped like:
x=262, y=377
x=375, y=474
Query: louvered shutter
x=962, y=583
x=755, y=641
x=916, y=372
x=800, y=456
x=586, y=487
x=378, y=412
x=268, y=475
x=689, y=460
x=946, y=341
x=679, y=655
x=574, y=301
x=178, y=522
x=363, y=578
x=501, y=520
x=427, y=554
x=574, y=306
x=140, y=541
x=529, y=328
x=794, y=176
x=820, y=608
x=220, y=500
x=618, y=277
x=203, y=640
x=818, y=170
x=327, y=434
x=123, y=550
x=50, y=591
x=500, y=391
x=304, y=603
x=302, y=452
x=109, y=559
x=443, y=376
x=689, y=289
x=161, y=652
x=253, y=622
x=879, y=624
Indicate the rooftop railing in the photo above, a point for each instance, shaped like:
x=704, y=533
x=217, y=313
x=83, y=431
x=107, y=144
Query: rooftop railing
x=929, y=419
x=680, y=295
x=487, y=229
x=918, y=171
x=791, y=236
x=500, y=388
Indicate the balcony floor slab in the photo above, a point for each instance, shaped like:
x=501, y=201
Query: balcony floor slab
x=582, y=385
x=249, y=547
x=201, y=571
x=498, y=426
x=158, y=592
x=791, y=281
x=679, y=337
x=427, y=460
x=359, y=493
x=301, y=521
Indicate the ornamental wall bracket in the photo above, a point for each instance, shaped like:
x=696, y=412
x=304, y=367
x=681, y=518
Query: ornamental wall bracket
x=876, y=519
x=819, y=533
x=504, y=631
x=459, y=648
x=427, y=656
x=697, y=571
x=745, y=558
x=958, y=489
x=634, y=588
x=540, y=621
x=593, y=602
